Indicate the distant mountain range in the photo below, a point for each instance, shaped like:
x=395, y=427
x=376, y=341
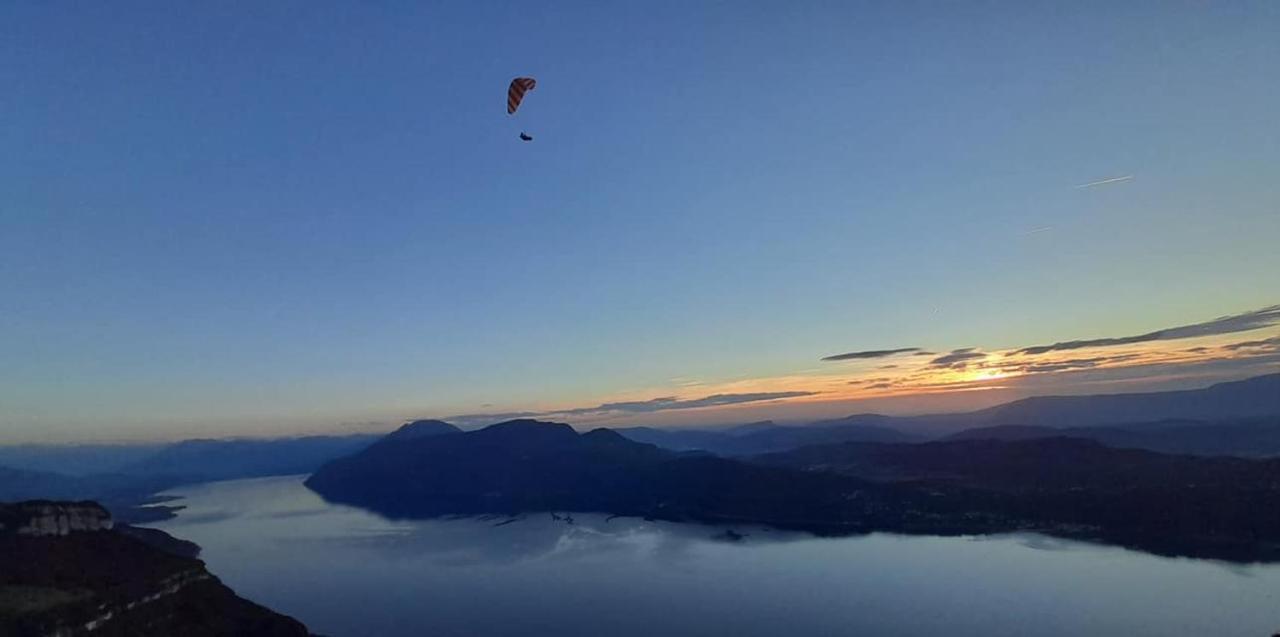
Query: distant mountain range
x=115, y=490
x=1238, y=418
x=76, y=459
x=19, y=484
x=134, y=478
x=197, y=459
x=1235, y=418
x=1251, y=398
x=208, y=460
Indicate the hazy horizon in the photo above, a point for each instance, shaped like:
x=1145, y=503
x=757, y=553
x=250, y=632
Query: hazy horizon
x=779, y=412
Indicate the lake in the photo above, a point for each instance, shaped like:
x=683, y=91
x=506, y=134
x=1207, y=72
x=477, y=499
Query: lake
x=348, y=573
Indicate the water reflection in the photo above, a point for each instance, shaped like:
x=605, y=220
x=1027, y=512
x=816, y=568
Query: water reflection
x=490, y=540
x=346, y=572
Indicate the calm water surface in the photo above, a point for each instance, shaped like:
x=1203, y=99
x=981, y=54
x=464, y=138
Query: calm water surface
x=348, y=573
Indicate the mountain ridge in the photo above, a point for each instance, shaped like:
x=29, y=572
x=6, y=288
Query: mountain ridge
x=1255, y=397
x=1183, y=505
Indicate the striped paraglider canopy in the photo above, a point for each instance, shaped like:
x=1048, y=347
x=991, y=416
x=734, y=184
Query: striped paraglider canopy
x=515, y=93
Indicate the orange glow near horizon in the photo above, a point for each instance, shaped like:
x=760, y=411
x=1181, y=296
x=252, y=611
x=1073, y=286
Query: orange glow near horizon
x=988, y=374
x=974, y=370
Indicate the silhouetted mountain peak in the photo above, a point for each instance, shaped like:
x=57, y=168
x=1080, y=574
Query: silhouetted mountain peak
x=515, y=465
x=527, y=424
x=422, y=429
x=527, y=431
x=603, y=435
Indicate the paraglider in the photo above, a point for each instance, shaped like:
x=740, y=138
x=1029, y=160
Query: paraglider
x=515, y=95
x=515, y=92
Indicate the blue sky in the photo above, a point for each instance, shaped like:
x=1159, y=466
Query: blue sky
x=267, y=219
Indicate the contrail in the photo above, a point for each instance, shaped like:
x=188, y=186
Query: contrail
x=1038, y=230
x=1113, y=180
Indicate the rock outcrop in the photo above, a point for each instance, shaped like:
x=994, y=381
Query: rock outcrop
x=42, y=518
x=65, y=571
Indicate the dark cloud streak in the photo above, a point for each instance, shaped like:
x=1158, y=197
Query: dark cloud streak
x=1257, y=319
x=958, y=358
x=671, y=402
x=1266, y=343
x=1072, y=364
x=873, y=353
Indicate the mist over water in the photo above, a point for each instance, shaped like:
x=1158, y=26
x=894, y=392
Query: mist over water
x=345, y=572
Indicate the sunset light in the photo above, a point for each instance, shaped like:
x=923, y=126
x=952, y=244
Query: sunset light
x=640, y=318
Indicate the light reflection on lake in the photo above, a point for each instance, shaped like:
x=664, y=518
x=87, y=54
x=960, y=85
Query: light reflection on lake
x=347, y=573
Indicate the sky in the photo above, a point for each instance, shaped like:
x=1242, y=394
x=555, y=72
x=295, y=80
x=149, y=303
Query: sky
x=274, y=218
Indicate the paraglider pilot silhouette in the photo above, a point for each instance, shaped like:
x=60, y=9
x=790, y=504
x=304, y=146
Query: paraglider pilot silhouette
x=515, y=95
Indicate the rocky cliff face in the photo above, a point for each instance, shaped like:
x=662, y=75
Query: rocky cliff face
x=44, y=519
x=64, y=571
